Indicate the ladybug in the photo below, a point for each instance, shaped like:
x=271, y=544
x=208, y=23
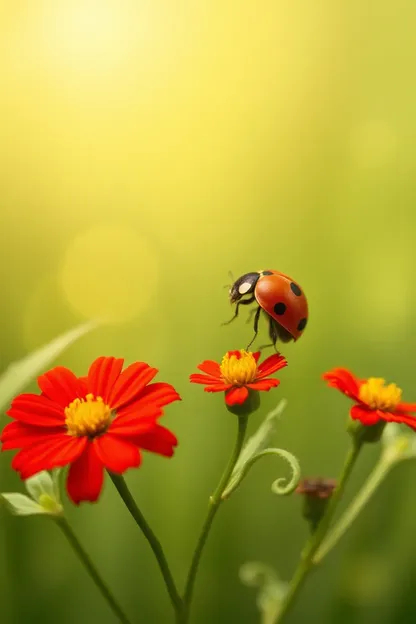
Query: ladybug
x=280, y=298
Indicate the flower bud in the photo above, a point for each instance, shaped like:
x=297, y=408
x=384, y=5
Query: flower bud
x=316, y=494
x=250, y=405
x=365, y=433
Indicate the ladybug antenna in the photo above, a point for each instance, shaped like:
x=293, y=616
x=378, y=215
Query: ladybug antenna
x=231, y=276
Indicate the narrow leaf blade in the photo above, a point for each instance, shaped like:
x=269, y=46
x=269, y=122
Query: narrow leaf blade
x=22, y=372
x=22, y=505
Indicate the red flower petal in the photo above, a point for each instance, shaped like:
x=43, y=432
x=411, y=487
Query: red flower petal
x=85, y=477
x=18, y=435
x=102, y=376
x=405, y=407
x=400, y=417
x=116, y=454
x=256, y=355
x=236, y=396
x=61, y=386
x=270, y=365
x=130, y=384
x=343, y=380
x=211, y=368
x=154, y=395
x=36, y=410
x=366, y=416
x=50, y=452
x=236, y=353
x=221, y=387
x=264, y=384
x=203, y=379
x=133, y=423
x=160, y=440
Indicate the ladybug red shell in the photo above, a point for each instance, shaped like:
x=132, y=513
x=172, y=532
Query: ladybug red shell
x=279, y=296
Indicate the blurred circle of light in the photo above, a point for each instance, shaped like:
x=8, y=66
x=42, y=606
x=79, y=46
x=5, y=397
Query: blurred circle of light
x=110, y=273
x=87, y=34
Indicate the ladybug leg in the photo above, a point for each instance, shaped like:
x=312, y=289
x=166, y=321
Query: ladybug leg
x=255, y=326
x=252, y=313
x=242, y=302
x=273, y=333
x=265, y=346
x=277, y=332
x=273, y=336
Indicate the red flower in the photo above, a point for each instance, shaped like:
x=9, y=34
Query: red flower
x=94, y=422
x=237, y=373
x=374, y=400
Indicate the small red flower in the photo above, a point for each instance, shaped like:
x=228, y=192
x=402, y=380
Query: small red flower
x=374, y=401
x=94, y=422
x=237, y=373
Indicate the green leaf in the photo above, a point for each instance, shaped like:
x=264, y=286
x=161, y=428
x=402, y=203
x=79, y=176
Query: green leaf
x=398, y=444
x=257, y=447
x=22, y=505
x=20, y=373
x=41, y=483
x=44, y=496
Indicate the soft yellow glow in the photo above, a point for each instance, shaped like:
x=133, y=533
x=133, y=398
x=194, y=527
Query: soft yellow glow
x=87, y=33
x=109, y=272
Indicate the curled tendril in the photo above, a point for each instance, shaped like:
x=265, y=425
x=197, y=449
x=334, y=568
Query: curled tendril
x=280, y=487
x=270, y=589
x=257, y=573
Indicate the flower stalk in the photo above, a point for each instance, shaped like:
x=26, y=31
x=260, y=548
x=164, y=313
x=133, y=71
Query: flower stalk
x=214, y=504
x=154, y=543
x=352, y=512
x=397, y=447
x=91, y=569
x=307, y=560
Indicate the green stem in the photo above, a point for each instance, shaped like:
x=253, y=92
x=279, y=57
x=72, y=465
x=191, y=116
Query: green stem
x=154, y=543
x=368, y=489
x=91, y=569
x=316, y=538
x=214, y=504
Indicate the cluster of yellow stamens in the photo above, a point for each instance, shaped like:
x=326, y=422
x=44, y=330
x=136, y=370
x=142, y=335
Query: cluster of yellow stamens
x=378, y=396
x=87, y=417
x=238, y=367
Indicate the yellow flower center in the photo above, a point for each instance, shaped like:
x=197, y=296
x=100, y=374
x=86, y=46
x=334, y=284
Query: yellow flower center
x=238, y=367
x=87, y=417
x=378, y=396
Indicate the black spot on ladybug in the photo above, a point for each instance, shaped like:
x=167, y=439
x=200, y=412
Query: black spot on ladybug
x=267, y=272
x=295, y=289
x=279, y=308
x=302, y=324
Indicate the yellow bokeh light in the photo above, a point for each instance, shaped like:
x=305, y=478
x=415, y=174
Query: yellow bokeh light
x=110, y=273
x=87, y=33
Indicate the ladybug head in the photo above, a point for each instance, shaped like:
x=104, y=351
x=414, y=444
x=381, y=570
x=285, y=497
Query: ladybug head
x=245, y=285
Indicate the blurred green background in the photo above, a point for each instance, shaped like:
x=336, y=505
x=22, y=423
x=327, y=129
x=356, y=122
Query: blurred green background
x=147, y=148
